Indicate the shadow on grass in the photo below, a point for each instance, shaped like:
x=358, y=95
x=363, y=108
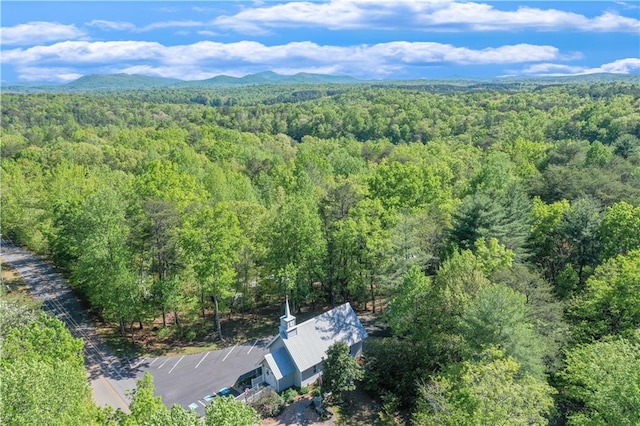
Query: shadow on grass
x=192, y=336
x=357, y=410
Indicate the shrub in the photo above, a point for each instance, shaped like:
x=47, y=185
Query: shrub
x=304, y=390
x=289, y=395
x=269, y=405
x=191, y=335
x=164, y=332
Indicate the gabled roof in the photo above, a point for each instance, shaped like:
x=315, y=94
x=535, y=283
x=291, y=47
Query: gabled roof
x=280, y=363
x=309, y=346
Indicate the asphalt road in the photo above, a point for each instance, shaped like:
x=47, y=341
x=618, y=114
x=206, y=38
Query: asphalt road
x=110, y=379
x=183, y=380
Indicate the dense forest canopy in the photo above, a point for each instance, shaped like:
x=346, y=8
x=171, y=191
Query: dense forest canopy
x=498, y=229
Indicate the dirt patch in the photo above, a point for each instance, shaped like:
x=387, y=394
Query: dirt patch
x=12, y=284
x=299, y=412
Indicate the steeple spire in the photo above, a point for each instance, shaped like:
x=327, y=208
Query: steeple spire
x=287, y=322
x=287, y=311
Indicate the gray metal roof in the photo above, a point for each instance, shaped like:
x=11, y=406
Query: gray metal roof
x=280, y=363
x=309, y=346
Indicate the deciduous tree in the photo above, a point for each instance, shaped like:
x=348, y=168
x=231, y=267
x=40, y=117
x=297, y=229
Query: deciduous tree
x=340, y=371
x=43, y=377
x=225, y=411
x=620, y=229
x=602, y=382
x=211, y=238
x=610, y=304
x=492, y=390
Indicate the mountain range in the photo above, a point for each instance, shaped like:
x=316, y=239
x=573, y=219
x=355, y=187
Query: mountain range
x=116, y=82
x=122, y=82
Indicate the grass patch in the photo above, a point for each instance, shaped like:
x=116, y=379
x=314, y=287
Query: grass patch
x=13, y=286
x=121, y=346
x=359, y=409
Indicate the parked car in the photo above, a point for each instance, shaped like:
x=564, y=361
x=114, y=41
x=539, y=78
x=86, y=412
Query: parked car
x=221, y=392
x=226, y=392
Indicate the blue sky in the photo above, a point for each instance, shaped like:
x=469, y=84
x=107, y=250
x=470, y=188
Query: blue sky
x=368, y=39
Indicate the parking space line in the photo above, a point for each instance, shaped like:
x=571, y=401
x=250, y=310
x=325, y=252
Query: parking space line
x=154, y=360
x=203, y=404
x=174, y=366
x=252, y=346
x=137, y=364
x=224, y=359
x=162, y=365
x=205, y=355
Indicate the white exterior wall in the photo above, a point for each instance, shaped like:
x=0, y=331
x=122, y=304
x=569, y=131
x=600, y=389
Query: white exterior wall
x=310, y=375
x=268, y=377
x=286, y=382
x=278, y=385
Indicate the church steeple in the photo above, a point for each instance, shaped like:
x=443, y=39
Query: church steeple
x=287, y=311
x=287, y=322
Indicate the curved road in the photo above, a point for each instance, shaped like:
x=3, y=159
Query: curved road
x=180, y=379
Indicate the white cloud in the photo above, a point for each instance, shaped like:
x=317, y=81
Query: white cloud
x=191, y=61
x=333, y=15
x=612, y=21
x=128, y=26
x=208, y=33
x=83, y=52
x=621, y=66
x=553, y=69
x=179, y=72
x=203, y=9
x=421, y=52
x=627, y=5
x=54, y=75
x=419, y=15
x=168, y=9
x=111, y=25
x=39, y=32
x=171, y=24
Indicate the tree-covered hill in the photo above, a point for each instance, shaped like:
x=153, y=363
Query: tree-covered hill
x=133, y=82
x=494, y=228
x=136, y=82
x=116, y=82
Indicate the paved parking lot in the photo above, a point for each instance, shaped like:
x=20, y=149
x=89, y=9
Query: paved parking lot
x=187, y=379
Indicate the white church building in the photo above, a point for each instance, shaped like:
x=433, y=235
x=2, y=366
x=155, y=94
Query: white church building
x=296, y=354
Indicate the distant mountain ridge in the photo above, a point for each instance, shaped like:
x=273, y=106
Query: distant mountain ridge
x=117, y=82
x=124, y=82
x=578, y=78
x=270, y=77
